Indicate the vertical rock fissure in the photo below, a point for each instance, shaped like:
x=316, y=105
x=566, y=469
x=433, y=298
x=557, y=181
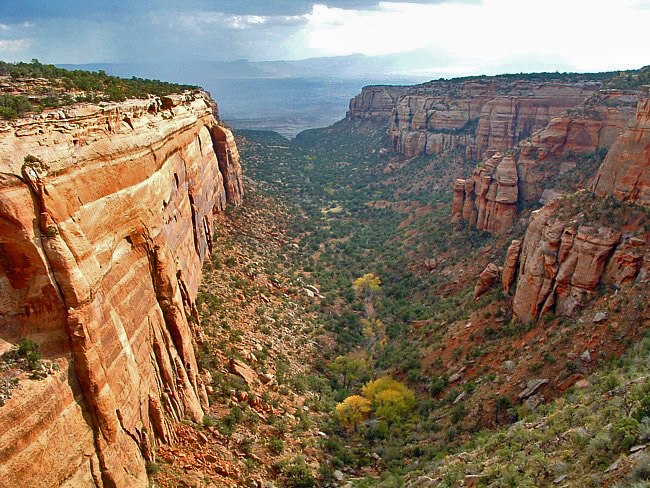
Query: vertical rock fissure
x=89, y=378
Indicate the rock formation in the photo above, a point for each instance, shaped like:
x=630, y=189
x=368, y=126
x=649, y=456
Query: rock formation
x=489, y=199
x=548, y=154
x=562, y=262
x=375, y=103
x=478, y=114
x=625, y=173
x=510, y=266
x=486, y=280
x=106, y=215
x=553, y=151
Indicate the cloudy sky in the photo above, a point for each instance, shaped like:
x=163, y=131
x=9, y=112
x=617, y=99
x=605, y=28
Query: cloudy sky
x=456, y=36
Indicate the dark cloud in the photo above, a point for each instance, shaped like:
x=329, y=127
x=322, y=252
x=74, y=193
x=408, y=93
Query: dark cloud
x=80, y=31
x=115, y=9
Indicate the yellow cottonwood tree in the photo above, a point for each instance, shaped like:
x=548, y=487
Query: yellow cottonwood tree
x=367, y=284
x=389, y=398
x=353, y=410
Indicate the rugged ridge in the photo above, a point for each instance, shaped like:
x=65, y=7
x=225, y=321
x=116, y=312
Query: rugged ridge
x=106, y=214
x=562, y=261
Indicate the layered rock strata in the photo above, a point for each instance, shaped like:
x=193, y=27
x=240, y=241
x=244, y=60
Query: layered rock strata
x=479, y=114
x=555, y=150
x=594, y=125
x=375, y=103
x=488, y=199
x=625, y=173
x=106, y=215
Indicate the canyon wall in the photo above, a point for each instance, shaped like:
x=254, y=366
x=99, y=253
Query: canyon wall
x=569, y=145
x=555, y=150
x=625, y=173
x=562, y=260
x=106, y=214
x=478, y=114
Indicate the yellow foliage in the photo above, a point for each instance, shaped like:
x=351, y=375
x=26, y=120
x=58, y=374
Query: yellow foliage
x=368, y=283
x=389, y=398
x=353, y=410
x=391, y=405
x=371, y=390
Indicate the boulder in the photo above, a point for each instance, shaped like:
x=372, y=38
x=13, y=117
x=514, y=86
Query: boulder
x=600, y=317
x=243, y=371
x=531, y=388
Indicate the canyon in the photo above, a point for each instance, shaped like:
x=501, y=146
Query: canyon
x=106, y=215
x=506, y=219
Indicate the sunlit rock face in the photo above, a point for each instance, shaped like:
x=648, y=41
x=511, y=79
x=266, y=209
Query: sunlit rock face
x=106, y=214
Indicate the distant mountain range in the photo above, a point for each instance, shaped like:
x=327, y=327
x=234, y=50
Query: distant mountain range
x=285, y=96
x=411, y=66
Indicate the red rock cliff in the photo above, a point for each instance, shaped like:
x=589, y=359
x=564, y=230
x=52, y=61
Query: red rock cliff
x=562, y=261
x=625, y=173
x=102, y=236
x=545, y=157
x=552, y=151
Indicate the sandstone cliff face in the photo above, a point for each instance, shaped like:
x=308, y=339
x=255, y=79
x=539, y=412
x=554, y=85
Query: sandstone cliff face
x=488, y=200
x=444, y=115
x=562, y=262
x=552, y=151
x=625, y=173
x=102, y=236
x=375, y=103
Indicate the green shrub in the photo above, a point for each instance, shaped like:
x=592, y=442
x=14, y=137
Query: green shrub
x=298, y=475
x=276, y=446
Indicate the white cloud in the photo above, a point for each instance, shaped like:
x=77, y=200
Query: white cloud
x=198, y=22
x=22, y=25
x=585, y=34
x=14, y=45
